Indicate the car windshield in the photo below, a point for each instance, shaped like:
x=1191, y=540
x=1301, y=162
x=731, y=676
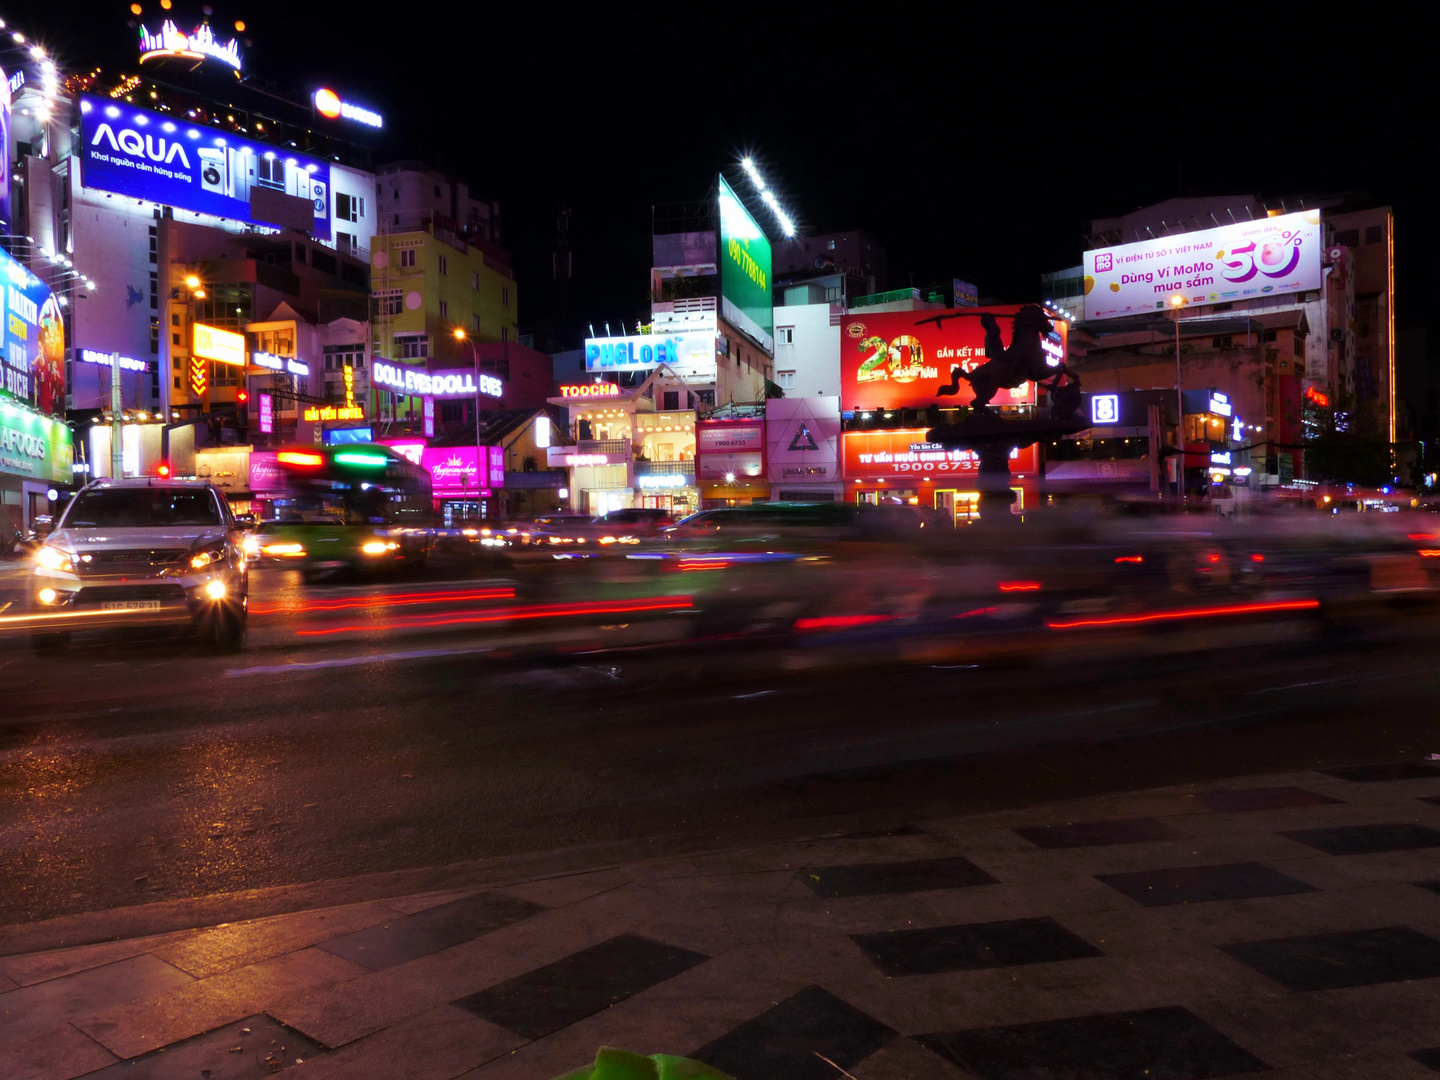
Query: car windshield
x=139, y=508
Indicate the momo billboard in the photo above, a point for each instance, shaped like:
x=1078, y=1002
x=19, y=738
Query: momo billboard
x=147, y=155
x=745, y=271
x=1249, y=259
x=904, y=360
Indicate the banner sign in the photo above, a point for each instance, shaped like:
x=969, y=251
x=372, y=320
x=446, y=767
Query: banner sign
x=745, y=271
x=453, y=472
x=34, y=446
x=689, y=355
x=894, y=360
x=164, y=159
x=726, y=448
x=1267, y=257
x=802, y=437
x=904, y=454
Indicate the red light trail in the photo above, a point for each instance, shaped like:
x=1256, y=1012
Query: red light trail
x=1189, y=613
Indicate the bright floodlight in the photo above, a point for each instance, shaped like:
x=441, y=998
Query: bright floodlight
x=787, y=226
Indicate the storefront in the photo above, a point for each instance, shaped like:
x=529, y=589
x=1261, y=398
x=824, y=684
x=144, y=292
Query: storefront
x=36, y=453
x=665, y=462
x=802, y=449
x=462, y=490
x=600, y=474
x=900, y=467
x=730, y=462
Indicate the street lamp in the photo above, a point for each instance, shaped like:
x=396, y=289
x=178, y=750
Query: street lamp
x=1177, y=302
x=461, y=336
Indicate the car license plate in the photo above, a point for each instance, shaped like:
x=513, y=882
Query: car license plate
x=130, y=605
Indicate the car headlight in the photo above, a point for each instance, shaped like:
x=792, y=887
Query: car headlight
x=208, y=557
x=378, y=547
x=54, y=559
x=250, y=545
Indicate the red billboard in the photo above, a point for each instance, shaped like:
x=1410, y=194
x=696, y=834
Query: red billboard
x=897, y=455
x=894, y=360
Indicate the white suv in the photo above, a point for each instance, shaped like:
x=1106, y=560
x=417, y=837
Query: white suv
x=141, y=552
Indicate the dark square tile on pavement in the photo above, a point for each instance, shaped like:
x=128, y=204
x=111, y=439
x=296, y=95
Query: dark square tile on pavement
x=1275, y=798
x=583, y=983
x=789, y=1039
x=1400, y=770
x=973, y=945
x=1197, y=884
x=1101, y=833
x=248, y=1049
x=1429, y=1058
x=1148, y=1044
x=1347, y=958
x=875, y=879
x=1367, y=839
x=407, y=937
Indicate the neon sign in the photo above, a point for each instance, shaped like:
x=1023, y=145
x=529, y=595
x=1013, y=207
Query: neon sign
x=199, y=45
x=280, y=363
x=591, y=390
x=1219, y=404
x=665, y=480
x=329, y=105
x=407, y=380
x=1105, y=409
x=334, y=412
x=94, y=356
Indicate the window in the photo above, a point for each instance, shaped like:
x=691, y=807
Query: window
x=504, y=297
x=388, y=302
x=412, y=346
x=175, y=318
x=177, y=364
x=784, y=335
x=671, y=400
x=1299, y=344
x=444, y=265
x=504, y=333
x=407, y=257
x=348, y=207
x=154, y=334
x=1348, y=237
x=345, y=242
x=475, y=323
x=323, y=261
x=1224, y=341
x=1374, y=234
x=397, y=199
x=174, y=339
x=785, y=380
x=177, y=382
x=444, y=309
x=474, y=279
x=437, y=191
x=154, y=245
x=154, y=290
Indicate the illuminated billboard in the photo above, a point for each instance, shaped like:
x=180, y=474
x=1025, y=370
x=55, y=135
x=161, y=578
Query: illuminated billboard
x=900, y=455
x=690, y=355
x=147, y=155
x=404, y=379
x=745, y=297
x=4, y=152
x=1272, y=256
x=894, y=360
x=32, y=364
x=453, y=473
x=222, y=346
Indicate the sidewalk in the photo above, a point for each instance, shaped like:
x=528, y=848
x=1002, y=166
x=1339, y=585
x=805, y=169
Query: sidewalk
x=1288, y=923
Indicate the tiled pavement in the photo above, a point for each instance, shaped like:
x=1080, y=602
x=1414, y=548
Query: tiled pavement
x=1284, y=924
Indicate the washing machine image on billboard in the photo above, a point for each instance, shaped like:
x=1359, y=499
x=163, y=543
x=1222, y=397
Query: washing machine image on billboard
x=214, y=171
x=320, y=195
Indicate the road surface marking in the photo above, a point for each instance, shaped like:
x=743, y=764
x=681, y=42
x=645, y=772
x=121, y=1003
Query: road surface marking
x=350, y=661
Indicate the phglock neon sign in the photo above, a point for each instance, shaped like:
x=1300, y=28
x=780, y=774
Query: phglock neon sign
x=407, y=380
x=199, y=44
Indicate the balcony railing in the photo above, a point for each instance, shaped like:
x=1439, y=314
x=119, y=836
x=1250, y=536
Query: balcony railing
x=665, y=468
x=603, y=446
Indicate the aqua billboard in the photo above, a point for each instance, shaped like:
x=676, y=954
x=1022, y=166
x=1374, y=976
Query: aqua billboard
x=745, y=296
x=162, y=159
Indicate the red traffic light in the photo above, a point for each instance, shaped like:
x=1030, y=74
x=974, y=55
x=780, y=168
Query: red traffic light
x=242, y=397
x=162, y=469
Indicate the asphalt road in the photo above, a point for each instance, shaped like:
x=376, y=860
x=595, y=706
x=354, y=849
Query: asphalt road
x=372, y=727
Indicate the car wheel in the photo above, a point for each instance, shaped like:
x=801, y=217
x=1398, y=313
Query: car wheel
x=50, y=644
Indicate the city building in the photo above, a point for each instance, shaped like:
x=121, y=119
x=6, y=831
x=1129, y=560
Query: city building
x=1278, y=305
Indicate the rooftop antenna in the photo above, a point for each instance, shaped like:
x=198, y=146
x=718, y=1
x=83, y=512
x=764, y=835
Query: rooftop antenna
x=592, y=328
x=1248, y=214
x=1232, y=216
x=607, y=330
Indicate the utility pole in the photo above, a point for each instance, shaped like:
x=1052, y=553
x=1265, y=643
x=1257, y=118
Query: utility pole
x=117, y=448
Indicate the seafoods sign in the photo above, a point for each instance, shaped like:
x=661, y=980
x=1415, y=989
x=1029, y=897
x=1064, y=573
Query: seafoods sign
x=905, y=360
x=1245, y=260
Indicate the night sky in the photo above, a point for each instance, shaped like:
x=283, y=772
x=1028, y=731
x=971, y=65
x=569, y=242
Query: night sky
x=968, y=150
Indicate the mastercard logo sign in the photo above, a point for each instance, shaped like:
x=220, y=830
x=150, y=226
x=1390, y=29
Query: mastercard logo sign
x=327, y=103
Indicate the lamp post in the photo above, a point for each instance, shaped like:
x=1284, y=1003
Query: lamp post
x=1176, y=302
x=460, y=335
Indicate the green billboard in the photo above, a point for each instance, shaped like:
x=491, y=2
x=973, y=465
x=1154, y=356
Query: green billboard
x=745, y=271
x=34, y=446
